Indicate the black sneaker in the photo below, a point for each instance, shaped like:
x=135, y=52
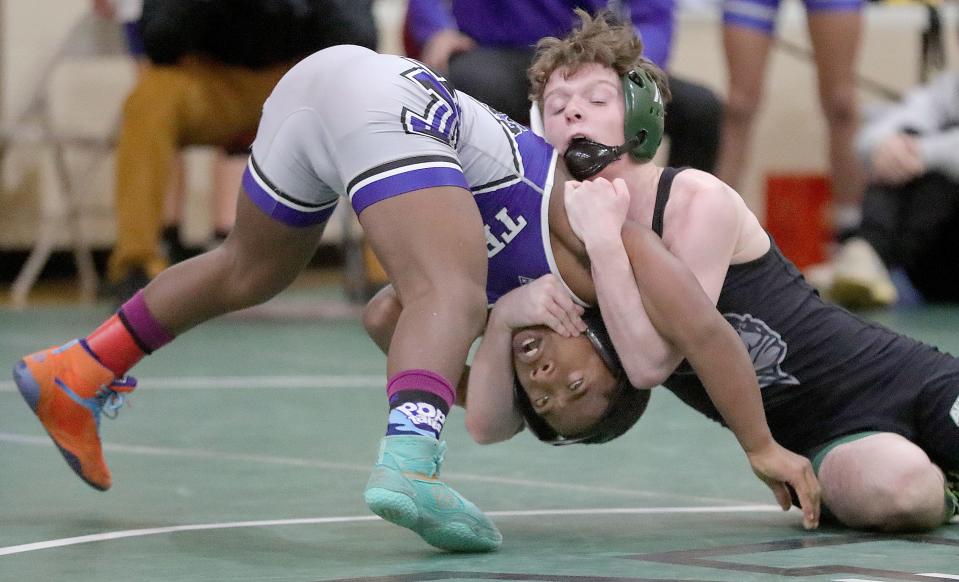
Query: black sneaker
x=173, y=247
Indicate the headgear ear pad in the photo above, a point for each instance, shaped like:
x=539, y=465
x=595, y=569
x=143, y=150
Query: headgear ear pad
x=645, y=113
x=626, y=406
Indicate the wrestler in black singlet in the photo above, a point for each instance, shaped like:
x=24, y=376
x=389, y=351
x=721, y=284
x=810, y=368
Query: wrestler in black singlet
x=824, y=372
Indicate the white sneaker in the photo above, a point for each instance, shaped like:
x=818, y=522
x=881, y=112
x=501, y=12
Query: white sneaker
x=820, y=276
x=861, y=280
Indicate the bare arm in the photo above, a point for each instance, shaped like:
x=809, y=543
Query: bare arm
x=686, y=316
x=719, y=357
x=491, y=414
x=704, y=241
x=431, y=25
x=679, y=308
x=651, y=357
x=681, y=311
x=652, y=301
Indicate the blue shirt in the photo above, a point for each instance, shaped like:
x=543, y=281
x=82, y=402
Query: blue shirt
x=521, y=23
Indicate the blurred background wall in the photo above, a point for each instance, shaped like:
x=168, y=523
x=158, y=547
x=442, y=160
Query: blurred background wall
x=85, y=87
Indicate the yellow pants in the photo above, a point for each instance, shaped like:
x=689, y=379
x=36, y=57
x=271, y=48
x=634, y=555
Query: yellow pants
x=197, y=102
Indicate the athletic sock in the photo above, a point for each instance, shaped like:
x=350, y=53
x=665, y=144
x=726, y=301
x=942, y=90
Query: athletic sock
x=952, y=495
x=419, y=400
x=952, y=505
x=123, y=339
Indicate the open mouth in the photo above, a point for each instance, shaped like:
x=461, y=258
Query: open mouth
x=527, y=345
x=575, y=137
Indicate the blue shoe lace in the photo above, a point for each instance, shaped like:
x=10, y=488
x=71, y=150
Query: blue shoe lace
x=110, y=400
x=438, y=458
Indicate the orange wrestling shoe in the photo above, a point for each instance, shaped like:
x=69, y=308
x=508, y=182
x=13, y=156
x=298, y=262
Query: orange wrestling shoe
x=68, y=389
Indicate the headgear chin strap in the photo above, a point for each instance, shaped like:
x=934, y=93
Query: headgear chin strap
x=585, y=158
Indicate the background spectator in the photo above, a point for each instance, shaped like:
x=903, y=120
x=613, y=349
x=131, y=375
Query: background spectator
x=226, y=171
x=212, y=65
x=486, y=46
x=911, y=208
x=835, y=28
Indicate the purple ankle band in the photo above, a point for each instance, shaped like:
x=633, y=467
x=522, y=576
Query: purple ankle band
x=148, y=332
x=424, y=380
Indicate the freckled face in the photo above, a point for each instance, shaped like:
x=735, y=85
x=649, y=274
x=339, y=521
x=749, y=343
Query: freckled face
x=566, y=380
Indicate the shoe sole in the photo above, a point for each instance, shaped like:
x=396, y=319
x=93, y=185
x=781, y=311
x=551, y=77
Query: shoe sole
x=452, y=536
x=30, y=391
x=392, y=506
x=859, y=295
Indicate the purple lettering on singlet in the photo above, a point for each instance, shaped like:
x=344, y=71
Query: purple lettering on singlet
x=440, y=119
x=513, y=222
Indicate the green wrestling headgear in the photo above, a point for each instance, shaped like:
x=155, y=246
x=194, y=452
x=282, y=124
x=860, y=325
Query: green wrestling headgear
x=645, y=113
x=625, y=407
x=644, y=120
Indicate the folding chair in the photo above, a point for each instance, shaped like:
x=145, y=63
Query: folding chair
x=53, y=125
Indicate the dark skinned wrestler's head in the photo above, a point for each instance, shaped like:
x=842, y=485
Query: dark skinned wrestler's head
x=574, y=389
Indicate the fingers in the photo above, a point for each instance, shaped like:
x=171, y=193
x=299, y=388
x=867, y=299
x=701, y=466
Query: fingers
x=571, y=195
x=443, y=45
x=809, y=498
x=570, y=187
x=809, y=494
x=561, y=321
x=578, y=320
x=898, y=160
x=571, y=314
x=786, y=467
x=567, y=316
x=559, y=312
x=782, y=494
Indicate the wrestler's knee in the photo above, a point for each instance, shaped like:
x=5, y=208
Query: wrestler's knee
x=741, y=105
x=901, y=496
x=470, y=297
x=249, y=278
x=155, y=94
x=839, y=105
x=454, y=293
x=476, y=316
x=381, y=312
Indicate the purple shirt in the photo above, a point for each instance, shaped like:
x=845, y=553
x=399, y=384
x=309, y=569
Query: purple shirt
x=520, y=23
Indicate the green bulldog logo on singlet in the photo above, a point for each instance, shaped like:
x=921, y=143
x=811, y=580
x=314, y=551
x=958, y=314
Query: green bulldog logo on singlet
x=766, y=349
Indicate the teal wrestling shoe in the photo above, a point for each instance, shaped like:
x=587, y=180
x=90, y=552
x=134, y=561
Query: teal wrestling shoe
x=404, y=489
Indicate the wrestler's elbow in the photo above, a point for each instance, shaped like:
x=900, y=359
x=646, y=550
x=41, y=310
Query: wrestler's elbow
x=652, y=365
x=648, y=374
x=485, y=431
